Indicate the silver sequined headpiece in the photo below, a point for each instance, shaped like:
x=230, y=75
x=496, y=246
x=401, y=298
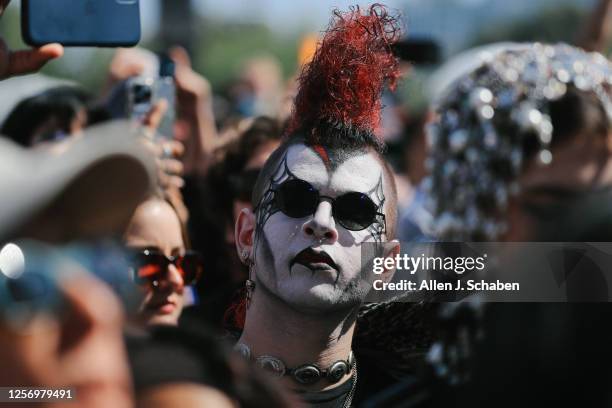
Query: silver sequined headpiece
x=483, y=120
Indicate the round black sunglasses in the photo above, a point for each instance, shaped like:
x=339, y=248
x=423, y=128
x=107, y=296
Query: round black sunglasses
x=354, y=211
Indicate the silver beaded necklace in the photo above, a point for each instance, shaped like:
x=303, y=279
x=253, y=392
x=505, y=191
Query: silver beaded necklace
x=307, y=373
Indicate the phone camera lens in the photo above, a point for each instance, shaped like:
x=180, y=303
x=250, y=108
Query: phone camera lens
x=142, y=94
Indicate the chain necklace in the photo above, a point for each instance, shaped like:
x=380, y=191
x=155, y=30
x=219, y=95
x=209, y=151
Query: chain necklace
x=349, y=398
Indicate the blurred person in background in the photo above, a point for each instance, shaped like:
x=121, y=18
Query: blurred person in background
x=194, y=125
x=51, y=116
x=186, y=366
x=13, y=63
x=517, y=139
x=225, y=192
x=179, y=366
x=243, y=162
x=414, y=219
x=63, y=327
x=185, y=157
x=256, y=91
x=161, y=263
x=404, y=130
x=284, y=111
x=556, y=354
x=516, y=143
x=575, y=370
x=239, y=96
x=264, y=76
x=78, y=348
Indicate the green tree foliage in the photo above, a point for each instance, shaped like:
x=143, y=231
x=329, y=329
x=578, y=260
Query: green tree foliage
x=222, y=49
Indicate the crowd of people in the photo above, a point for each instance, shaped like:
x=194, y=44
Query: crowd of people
x=221, y=265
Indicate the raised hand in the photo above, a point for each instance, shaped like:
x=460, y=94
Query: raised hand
x=22, y=62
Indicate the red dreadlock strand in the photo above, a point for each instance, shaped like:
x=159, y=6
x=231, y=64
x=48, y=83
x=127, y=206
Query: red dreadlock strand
x=342, y=85
x=235, y=315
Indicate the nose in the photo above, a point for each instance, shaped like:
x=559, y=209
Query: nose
x=173, y=279
x=322, y=225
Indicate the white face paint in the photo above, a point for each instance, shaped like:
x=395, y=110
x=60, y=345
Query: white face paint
x=321, y=288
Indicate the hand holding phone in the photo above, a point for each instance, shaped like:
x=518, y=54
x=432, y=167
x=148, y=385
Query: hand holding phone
x=168, y=153
x=25, y=61
x=146, y=92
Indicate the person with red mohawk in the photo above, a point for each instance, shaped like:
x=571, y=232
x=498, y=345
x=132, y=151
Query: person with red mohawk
x=323, y=199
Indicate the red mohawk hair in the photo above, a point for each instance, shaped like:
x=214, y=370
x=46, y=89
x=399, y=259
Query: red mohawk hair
x=341, y=87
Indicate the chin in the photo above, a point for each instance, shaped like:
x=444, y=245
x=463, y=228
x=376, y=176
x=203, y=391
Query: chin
x=323, y=298
x=163, y=319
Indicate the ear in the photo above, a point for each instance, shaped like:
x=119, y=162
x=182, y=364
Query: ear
x=392, y=249
x=245, y=233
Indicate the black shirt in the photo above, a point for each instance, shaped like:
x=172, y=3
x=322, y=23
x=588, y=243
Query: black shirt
x=332, y=398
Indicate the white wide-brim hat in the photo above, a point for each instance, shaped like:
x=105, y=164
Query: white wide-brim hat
x=85, y=188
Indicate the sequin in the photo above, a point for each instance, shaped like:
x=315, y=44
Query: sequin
x=483, y=121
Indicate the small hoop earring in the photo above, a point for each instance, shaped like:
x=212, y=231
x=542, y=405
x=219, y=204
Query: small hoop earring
x=250, y=283
x=250, y=288
x=244, y=257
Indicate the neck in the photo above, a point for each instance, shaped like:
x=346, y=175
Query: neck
x=273, y=328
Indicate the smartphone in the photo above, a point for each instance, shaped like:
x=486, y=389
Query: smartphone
x=140, y=95
x=144, y=92
x=85, y=23
x=166, y=89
